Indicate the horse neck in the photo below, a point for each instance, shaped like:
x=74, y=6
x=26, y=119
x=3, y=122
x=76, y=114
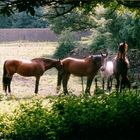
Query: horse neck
x=49, y=64
x=98, y=64
x=121, y=56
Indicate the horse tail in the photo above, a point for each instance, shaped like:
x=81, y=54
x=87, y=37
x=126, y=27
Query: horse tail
x=5, y=79
x=59, y=81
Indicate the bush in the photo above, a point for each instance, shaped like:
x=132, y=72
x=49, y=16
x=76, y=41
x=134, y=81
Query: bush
x=100, y=117
x=67, y=42
x=102, y=41
x=114, y=116
x=33, y=122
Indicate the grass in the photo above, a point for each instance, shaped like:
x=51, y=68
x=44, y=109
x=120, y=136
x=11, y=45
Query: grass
x=23, y=87
x=23, y=92
x=25, y=51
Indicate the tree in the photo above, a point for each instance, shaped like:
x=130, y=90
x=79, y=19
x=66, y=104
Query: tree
x=5, y=22
x=76, y=20
x=124, y=27
x=24, y=20
x=115, y=28
x=61, y=7
x=67, y=42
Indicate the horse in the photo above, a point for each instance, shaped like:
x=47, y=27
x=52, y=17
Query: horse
x=88, y=67
x=121, y=66
x=106, y=72
x=34, y=67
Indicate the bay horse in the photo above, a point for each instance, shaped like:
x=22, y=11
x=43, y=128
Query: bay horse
x=34, y=67
x=88, y=67
x=121, y=66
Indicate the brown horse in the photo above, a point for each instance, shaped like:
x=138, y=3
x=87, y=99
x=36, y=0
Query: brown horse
x=35, y=67
x=121, y=66
x=80, y=67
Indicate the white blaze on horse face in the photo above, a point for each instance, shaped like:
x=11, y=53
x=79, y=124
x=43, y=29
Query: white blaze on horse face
x=104, y=62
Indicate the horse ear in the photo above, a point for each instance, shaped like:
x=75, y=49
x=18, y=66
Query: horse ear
x=106, y=54
x=90, y=56
x=101, y=53
x=60, y=62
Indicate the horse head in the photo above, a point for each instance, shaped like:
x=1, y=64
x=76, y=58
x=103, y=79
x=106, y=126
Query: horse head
x=59, y=66
x=122, y=50
x=123, y=47
x=104, y=59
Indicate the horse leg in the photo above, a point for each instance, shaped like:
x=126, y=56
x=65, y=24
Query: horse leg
x=128, y=83
x=103, y=84
x=118, y=82
x=96, y=83
x=6, y=84
x=9, y=85
x=5, y=88
x=37, y=84
x=89, y=82
x=65, y=82
x=82, y=84
x=109, y=83
x=123, y=83
x=59, y=79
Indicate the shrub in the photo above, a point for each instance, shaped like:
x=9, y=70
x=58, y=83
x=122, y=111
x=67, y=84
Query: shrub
x=33, y=121
x=100, y=117
x=5, y=125
x=114, y=116
x=102, y=41
x=67, y=42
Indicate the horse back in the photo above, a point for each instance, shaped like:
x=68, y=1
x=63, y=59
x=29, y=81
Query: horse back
x=121, y=66
x=11, y=66
x=78, y=67
x=23, y=67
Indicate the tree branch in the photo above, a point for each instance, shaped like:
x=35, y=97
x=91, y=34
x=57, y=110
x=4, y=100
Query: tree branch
x=9, y=6
x=129, y=3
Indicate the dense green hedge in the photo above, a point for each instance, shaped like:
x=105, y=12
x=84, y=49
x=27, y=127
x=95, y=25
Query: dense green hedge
x=112, y=117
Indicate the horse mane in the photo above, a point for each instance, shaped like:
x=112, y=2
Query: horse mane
x=42, y=59
x=97, y=56
x=122, y=51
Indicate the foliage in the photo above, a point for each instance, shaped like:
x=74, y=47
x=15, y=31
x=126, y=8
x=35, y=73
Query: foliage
x=113, y=29
x=33, y=121
x=61, y=7
x=76, y=20
x=124, y=27
x=23, y=20
x=115, y=116
x=5, y=125
x=101, y=41
x=100, y=117
x=67, y=42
